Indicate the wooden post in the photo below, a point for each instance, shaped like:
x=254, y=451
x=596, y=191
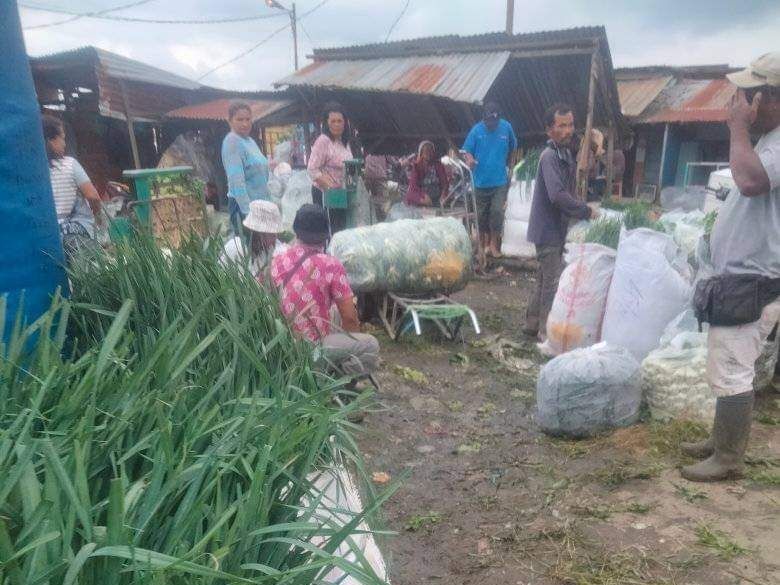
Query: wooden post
x=510, y=16
x=663, y=160
x=264, y=140
x=130, y=129
x=611, y=135
x=584, y=155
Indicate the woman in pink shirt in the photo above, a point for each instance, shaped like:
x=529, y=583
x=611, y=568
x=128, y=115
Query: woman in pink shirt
x=329, y=151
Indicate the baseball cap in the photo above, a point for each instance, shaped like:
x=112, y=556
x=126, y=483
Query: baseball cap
x=491, y=111
x=311, y=224
x=763, y=71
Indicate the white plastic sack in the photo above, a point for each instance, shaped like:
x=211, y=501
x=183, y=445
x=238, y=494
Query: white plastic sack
x=297, y=193
x=514, y=242
x=649, y=288
x=401, y=210
x=588, y=390
x=340, y=502
x=687, y=227
x=283, y=152
x=578, y=309
x=518, y=212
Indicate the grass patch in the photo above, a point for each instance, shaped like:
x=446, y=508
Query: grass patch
x=411, y=375
x=455, y=405
x=690, y=495
x=597, y=566
x=617, y=473
x=425, y=521
x=719, y=541
x=763, y=477
x=767, y=419
x=638, y=508
x=665, y=438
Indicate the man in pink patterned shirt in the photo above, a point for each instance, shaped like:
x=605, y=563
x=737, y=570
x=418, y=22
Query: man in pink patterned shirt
x=311, y=283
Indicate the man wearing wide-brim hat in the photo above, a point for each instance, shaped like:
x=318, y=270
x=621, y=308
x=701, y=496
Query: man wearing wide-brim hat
x=742, y=302
x=262, y=226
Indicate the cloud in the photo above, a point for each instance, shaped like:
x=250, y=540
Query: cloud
x=670, y=32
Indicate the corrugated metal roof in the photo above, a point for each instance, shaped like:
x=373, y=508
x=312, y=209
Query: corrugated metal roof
x=637, y=94
x=460, y=77
x=691, y=101
x=116, y=66
x=218, y=109
x=447, y=43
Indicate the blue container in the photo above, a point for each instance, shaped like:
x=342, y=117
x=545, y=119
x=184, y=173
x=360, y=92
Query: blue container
x=31, y=260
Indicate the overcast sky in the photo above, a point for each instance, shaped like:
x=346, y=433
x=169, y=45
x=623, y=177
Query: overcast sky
x=673, y=32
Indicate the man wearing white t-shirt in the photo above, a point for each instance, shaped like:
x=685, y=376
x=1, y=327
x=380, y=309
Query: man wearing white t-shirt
x=742, y=302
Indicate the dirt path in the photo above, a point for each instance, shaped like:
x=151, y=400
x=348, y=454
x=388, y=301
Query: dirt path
x=489, y=500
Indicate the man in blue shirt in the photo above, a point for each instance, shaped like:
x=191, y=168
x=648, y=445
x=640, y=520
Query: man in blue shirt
x=488, y=146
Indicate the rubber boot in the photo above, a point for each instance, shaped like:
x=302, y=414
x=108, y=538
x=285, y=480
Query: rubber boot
x=701, y=449
x=733, y=415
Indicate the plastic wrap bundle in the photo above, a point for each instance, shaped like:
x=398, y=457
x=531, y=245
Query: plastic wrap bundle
x=578, y=309
x=686, y=199
x=674, y=376
x=405, y=256
x=687, y=228
x=364, y=211
x=766, y=364
x=516, y=217
x=188, y=150
x=587, y=391
x=401, y=210
x=275, y=190
x=283, y=152
x=297, y=193
x=650, y=286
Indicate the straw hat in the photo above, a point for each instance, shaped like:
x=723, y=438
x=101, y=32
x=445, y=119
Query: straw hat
x=264, y=217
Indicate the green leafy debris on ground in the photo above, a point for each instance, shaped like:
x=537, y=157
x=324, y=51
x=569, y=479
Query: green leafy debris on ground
x=419, y=521
x=717, y=540
x=411, y=375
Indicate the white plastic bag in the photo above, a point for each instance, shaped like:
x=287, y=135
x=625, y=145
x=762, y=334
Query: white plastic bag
x=518, y=212
x=650, y=286
x=687, y=227
x=686, y=199
x=588, y=390
x=578, y=309
x=297, y=193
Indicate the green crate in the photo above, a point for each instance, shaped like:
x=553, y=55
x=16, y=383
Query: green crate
x=337, y=198
x=143, y=179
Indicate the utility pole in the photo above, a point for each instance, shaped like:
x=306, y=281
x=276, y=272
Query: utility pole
x=294, y=24
x=510, y=16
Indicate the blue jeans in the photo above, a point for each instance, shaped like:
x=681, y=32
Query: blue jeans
x=236, y=217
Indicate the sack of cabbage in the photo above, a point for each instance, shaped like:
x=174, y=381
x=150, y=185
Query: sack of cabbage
x=405, y=256
x=674, y=376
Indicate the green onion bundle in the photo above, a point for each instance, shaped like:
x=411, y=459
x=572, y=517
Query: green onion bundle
x=165, y=428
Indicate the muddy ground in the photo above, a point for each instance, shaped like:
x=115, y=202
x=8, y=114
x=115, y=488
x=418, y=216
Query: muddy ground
x=488, y=499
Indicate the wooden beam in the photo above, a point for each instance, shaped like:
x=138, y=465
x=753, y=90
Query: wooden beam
x=584, y=154
x=611, y=134
x=130, y=129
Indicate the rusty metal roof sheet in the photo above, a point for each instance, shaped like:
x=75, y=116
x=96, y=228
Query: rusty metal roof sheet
x=690, y=101
x=218, y=109
x=637, y=94
x=457, y=43
x=460, y=77
x=115, y=66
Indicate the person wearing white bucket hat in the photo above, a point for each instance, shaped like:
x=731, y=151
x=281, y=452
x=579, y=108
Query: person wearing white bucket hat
x=262, y=225
x=742, y=302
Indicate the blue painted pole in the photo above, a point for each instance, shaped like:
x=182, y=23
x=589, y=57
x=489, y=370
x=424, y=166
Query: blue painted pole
x=31, y=260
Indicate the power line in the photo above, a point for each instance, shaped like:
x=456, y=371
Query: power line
x=76, y=16
x=102, y=16
x=403, y=11
x=262, y=42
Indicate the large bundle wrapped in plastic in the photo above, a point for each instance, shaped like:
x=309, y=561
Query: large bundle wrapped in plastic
x=674, y=376
x=651, y=285
x=587, y=391
x=516, y=217
x=686, y=227
x=405, y=256
x=578, y=309
x=296, y=194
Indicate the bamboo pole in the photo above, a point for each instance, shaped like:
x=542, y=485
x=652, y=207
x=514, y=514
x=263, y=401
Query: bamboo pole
x=584, y=154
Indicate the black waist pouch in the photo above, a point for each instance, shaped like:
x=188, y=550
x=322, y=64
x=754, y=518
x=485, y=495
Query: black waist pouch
x=733, y=299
